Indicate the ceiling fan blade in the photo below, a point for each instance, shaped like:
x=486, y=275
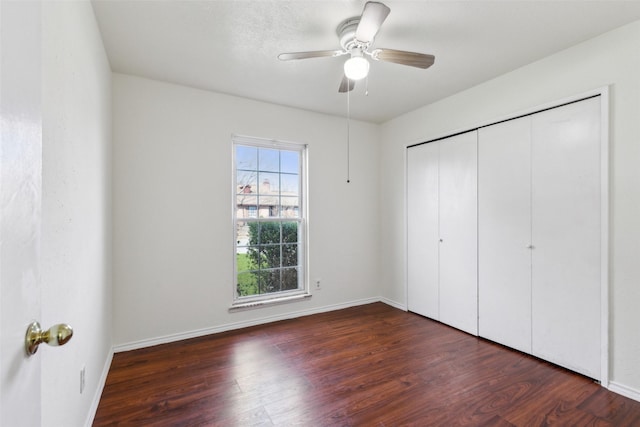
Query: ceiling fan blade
x=413, y=59
x=346, y=85
x=312, y=54
x=373, y=16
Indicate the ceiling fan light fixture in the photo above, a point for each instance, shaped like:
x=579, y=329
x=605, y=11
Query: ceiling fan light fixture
x=356, y=67
x=356, y=36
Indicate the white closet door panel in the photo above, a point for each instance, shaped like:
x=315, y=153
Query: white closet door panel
x=566, y=236
x=422, y=236
x=458, y=232
x=504, y=233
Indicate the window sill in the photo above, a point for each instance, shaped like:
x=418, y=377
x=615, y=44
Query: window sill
x=266, y=302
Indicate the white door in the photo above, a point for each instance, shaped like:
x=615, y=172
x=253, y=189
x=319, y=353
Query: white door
x=458, y=232
x=422, y=227
x=566, y=201
x=20, y=201
x=504, y=233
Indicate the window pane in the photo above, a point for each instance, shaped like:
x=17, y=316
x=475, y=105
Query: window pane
x=269, y=206
x=246, y=157
x=290, y=255
x=270, y=256
x=289, y=279
x=242, y=238
x=254, y=237
x=269, y=195
x=269, y=233
x=244, y=262
x=289, y=184
x=245, y=205
x=247, y=182
x=268, y=160
x=272, y=281
x=289, y=207
x=246, y=200
x=289, y=232
x=247, y=283
x=289, y=162
x=269, y=183
x=255, y=259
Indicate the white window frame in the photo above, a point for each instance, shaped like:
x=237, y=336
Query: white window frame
x=243, y=302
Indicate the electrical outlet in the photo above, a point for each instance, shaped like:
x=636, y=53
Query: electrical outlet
x=318, y=284
x=82, y=378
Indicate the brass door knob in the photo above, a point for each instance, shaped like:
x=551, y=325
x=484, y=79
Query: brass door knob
x=56, y=335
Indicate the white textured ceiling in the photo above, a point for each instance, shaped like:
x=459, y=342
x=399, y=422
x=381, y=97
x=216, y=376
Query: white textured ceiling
x=232, y=46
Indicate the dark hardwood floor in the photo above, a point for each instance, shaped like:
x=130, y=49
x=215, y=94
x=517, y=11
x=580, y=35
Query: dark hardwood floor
x=371, y=365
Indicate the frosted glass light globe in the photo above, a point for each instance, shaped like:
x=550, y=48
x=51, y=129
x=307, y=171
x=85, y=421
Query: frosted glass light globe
x=356, y=68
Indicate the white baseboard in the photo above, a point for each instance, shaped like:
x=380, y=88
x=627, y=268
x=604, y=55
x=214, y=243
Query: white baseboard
x=135, y=345
x=624, y=390
x=98, y=394
x=393, y=303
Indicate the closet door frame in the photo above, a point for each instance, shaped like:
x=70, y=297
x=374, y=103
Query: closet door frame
x=603, y=93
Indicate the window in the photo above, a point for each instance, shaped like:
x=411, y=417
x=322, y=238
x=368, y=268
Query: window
x=270, y=220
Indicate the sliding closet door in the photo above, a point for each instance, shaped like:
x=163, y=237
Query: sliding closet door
x=458, y=232
x=504, y=233
x=566, y=236
x=422, y=226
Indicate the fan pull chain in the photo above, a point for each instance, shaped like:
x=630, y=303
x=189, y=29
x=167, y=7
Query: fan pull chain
x=348, y=135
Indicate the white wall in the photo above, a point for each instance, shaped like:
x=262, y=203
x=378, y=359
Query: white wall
x=611, y=59
x=76, y=209
x=173, y=231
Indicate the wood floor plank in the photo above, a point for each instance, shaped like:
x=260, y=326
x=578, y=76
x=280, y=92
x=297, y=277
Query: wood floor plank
x=371, y=365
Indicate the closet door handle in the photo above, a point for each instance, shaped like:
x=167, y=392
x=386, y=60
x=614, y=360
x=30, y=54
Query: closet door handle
x=529, y=246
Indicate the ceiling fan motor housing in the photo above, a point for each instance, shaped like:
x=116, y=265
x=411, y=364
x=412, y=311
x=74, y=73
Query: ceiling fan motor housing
x=347, y=34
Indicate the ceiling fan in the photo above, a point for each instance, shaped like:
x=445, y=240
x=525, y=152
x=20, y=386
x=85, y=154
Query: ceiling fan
x=356, y=37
